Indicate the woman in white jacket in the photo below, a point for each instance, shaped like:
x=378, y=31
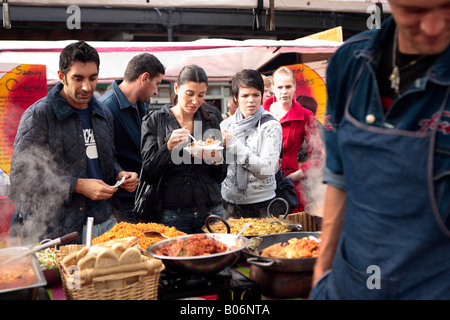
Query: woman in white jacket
x=253, y=146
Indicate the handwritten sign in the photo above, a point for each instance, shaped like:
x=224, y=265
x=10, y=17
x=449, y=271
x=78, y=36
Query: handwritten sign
x=310, y=83
x=21, y=85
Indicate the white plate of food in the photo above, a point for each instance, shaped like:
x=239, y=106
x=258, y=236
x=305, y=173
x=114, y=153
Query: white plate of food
x=207, y=145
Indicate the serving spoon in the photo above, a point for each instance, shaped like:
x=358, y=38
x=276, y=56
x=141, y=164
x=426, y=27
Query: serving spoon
x=244, y=227
x=153, y=232
x=58, y=241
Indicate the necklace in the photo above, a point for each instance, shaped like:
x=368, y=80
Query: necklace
x=395, y=75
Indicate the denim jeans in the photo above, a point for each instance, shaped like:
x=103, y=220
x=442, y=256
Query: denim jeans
x=189, y=220
x=99, y=229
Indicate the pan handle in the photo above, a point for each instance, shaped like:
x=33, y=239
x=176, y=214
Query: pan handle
x=213, y=216
x=260, y=263
x=273, y=201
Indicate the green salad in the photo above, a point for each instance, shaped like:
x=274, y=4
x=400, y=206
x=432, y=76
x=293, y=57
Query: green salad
x=47, y=258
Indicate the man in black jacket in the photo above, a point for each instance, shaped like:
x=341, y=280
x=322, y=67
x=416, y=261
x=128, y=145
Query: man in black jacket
x=63, y=167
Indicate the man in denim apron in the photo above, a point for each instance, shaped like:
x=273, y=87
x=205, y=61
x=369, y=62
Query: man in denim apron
x=386, y=224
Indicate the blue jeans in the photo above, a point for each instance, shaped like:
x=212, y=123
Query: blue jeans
x=99, y=229
x=189, y=220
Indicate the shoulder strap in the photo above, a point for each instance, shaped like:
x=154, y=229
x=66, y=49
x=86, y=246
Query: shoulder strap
x=266, y=118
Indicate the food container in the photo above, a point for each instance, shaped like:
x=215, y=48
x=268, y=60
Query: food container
x=21, y=292
x=280, y=264
x=258, y=226
x=48, y=264
x=206, y=264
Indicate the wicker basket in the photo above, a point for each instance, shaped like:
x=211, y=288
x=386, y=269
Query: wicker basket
x=129, y=282
x=307, y=221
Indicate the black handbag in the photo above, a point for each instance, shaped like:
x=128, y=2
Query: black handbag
x=286, y=190
x=285, y=186
x=147, y=203
x=148, y=200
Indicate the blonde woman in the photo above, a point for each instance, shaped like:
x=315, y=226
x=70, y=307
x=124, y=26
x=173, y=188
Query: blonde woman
x=298, y=125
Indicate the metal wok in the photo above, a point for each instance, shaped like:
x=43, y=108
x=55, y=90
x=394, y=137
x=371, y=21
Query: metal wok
x=202, y=264
x=207, y=227
x=280, y=264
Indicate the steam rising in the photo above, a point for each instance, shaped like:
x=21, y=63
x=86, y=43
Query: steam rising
x=313, y=182
x=39, y=188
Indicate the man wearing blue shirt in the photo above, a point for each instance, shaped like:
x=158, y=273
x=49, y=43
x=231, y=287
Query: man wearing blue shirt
x=127, y=101
x=386, y=217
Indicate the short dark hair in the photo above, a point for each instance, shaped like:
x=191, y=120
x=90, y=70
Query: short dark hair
x=244, y=79
x=77, y=51
x=308, y=102
x=141, y=63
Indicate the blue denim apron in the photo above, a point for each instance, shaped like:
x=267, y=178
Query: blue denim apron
x=393, y=244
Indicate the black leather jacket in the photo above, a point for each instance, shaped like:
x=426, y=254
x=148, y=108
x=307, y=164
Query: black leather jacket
x=48, y=158
x=185, y=185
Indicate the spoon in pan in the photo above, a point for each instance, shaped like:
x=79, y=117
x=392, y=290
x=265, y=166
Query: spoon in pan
x=244, y=227
x=153, y=232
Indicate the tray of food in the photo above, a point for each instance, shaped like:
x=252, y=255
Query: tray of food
x=20, y=278
x=288, y=252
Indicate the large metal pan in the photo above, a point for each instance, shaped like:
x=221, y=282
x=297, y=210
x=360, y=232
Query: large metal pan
x=280, y=264
x=202, y=264
x=288, y=226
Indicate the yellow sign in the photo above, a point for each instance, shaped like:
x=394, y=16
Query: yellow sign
x=21, y=85
x=309, y=83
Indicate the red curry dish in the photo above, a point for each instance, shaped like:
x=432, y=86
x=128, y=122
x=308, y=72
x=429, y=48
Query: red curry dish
x=195, y=245
x=18, y=274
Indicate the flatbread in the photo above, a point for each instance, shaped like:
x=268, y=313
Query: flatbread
x=82, y=253
x=127, y=242
x=118, y=249
x=87, y=262
x=130, y=256
x=70, y=259
x=106, y=259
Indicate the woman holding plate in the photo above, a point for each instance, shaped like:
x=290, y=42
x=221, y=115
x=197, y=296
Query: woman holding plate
x=253, y=146
x=189, y=183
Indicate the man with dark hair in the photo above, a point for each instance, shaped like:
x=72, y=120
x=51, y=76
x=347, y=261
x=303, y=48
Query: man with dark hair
x=63, y=167
x=127, y=101
x=386, y=222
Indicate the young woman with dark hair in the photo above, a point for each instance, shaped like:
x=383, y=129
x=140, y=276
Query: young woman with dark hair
x=253, y=148
x=190, y=186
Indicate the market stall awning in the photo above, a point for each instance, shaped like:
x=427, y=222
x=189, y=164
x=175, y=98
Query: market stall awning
x=311, y=5
x=220, y=58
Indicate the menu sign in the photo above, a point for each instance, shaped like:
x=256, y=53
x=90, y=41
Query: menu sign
x=310, y=83
x=21, y=85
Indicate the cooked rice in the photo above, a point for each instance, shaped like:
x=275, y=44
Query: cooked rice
x=125, y=229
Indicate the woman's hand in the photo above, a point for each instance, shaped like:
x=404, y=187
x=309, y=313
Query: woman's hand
x=212, y=156
x=297, y=175
x=178, y=136
x=227, y=136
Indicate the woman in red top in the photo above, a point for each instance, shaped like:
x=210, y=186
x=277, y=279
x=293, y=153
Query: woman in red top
x=299, y=124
